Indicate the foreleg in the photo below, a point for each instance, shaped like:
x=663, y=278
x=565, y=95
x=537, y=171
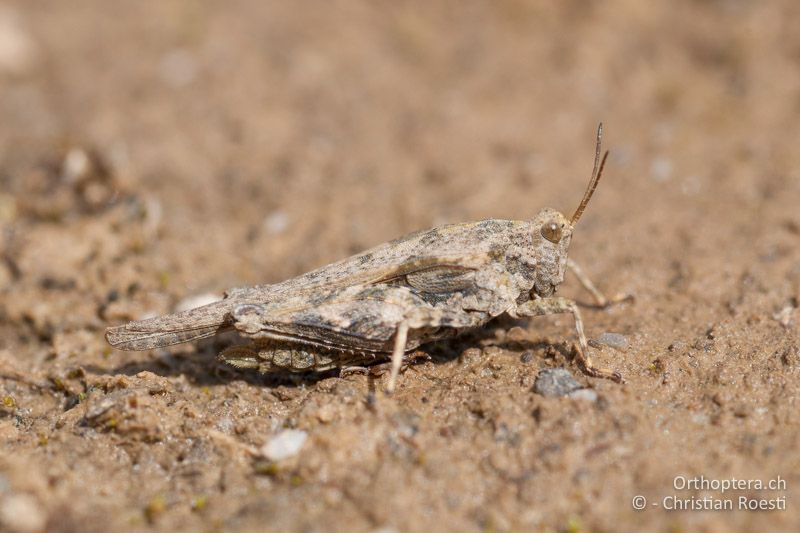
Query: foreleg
x=400, y=339
x=599, y=298
x=550, y=306
x=425, y=317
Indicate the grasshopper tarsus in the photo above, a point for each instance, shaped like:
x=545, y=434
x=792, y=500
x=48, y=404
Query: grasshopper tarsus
x=595, y=372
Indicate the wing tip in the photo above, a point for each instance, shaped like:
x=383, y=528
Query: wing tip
x=121, y=338
x=168, y=330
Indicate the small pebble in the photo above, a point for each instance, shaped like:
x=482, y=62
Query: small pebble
x=284, y=445
x=21, y=513
x=559, y=382
x=784, y=316
x=17, y=47
x=276, y=223
x=661, y=169
x=555, y=382
x=583, y=394
x=76, y=165
x=615, y=340
x=225, y=425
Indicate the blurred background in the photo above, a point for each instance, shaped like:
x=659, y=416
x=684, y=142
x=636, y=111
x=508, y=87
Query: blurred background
x=155, y=151
x=296, y=134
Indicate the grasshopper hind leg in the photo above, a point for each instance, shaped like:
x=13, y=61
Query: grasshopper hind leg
x=240, y=357
x=269, y=357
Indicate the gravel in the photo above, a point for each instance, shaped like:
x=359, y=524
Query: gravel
x=615, y=340
x=284, y=445
x=558, y=382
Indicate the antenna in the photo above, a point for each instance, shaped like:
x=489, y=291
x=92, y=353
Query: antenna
x=596, y=173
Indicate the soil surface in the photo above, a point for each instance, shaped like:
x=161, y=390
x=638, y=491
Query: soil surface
x=154, y=154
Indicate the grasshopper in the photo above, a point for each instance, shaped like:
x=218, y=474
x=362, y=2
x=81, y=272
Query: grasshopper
x=387, y=301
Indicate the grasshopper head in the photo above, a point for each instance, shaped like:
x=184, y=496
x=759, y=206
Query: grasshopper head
x=552, y=233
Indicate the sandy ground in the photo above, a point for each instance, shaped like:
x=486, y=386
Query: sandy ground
x=156, y=151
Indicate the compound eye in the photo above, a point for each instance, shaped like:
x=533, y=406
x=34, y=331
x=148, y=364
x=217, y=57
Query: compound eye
x=552, y=231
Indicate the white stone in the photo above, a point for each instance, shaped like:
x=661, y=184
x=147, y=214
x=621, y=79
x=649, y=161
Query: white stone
x=17, y=49
x=276, y=223
x=284, y=445
x=21, y=513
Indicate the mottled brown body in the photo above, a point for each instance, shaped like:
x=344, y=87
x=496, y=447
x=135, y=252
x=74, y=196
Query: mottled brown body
x=388, y=300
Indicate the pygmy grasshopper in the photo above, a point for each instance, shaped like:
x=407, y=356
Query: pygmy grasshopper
x=387, y=301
